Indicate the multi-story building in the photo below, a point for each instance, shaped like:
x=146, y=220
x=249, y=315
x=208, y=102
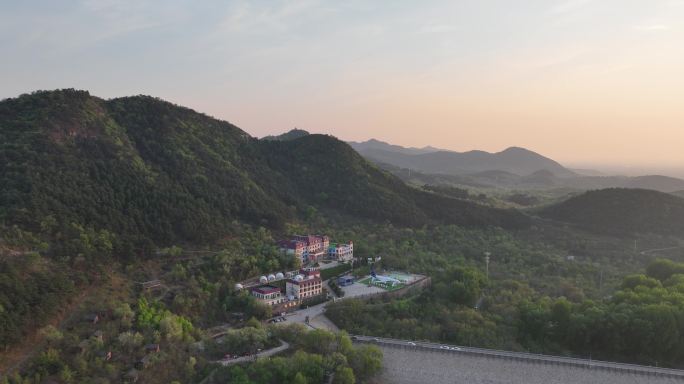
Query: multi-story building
x=268, y=294
x=305, y=285
x=341, y=251
x=315, y=243
x=307, y=248
x=294, y=248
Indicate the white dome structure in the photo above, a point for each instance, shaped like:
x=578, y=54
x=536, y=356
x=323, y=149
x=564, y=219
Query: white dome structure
x=299, y=278
x=238, y=287
x=263, y=279
x=271, y=277
x=280, y=276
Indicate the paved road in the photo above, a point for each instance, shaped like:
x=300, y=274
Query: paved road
x=521, y=356
x=645, y=252
x=244, y=359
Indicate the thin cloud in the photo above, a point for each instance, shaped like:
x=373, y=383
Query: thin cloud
x=568, y=6
x=438, y=28
x=652, y=27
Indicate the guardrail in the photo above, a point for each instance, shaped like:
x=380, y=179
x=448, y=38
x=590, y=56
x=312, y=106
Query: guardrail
x=524, y=356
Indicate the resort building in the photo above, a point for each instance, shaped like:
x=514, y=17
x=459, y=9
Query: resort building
x=268, y=294
x=294, y=248
x=314, y=244
x=307, y=248
x=305, y=285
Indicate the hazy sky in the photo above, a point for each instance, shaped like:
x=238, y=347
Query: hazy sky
x=581, y=81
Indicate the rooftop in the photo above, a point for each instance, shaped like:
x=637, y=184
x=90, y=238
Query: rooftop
x=306, y=281
x=266, y=289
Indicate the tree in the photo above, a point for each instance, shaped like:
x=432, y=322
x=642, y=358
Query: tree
x=171, y=328
x=130, y=340
x=51, y=334
x=66, y=375
x=366, y=361
x=125, y=314
x=299, y=379
x=344, y=375
x=320, y=341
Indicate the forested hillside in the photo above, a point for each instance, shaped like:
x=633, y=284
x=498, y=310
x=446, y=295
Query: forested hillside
x=143, y=170
x=85, y=181
x=326, y=172
x=147, y=172
x=91, y=190
x=622, y=212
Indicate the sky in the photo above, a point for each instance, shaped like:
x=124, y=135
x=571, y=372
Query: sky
x=586, y=82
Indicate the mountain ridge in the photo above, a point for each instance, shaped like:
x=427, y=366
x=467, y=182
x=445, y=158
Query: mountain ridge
x=621, y=211
x=360, y=146
x=401, y=164
x=516, y=160
x=149, y=173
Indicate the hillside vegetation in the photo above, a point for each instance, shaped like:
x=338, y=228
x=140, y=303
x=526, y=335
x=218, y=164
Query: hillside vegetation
x=87, y=182
x=622, y=211
x=142, y=172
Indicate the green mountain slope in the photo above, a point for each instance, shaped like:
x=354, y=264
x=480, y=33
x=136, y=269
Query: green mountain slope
x=622, y=211
x=150, y=173
x=141, y=168
x=329, y=173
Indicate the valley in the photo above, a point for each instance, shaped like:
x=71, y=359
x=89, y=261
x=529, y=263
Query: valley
x=176, y=224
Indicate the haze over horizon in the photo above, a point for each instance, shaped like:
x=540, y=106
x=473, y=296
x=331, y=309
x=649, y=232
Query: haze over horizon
x=570, y=79
x=605, y=168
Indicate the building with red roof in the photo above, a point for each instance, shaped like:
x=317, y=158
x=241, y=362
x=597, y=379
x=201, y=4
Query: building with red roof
x=268, y=294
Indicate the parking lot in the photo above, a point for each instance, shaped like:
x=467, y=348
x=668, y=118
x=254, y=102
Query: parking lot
x=358, y=289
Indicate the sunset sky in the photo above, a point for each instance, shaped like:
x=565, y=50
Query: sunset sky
x=584, y=82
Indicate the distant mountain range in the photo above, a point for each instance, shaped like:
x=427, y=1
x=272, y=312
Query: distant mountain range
x=515, y=160
x=514, y=168
x=377, y=145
